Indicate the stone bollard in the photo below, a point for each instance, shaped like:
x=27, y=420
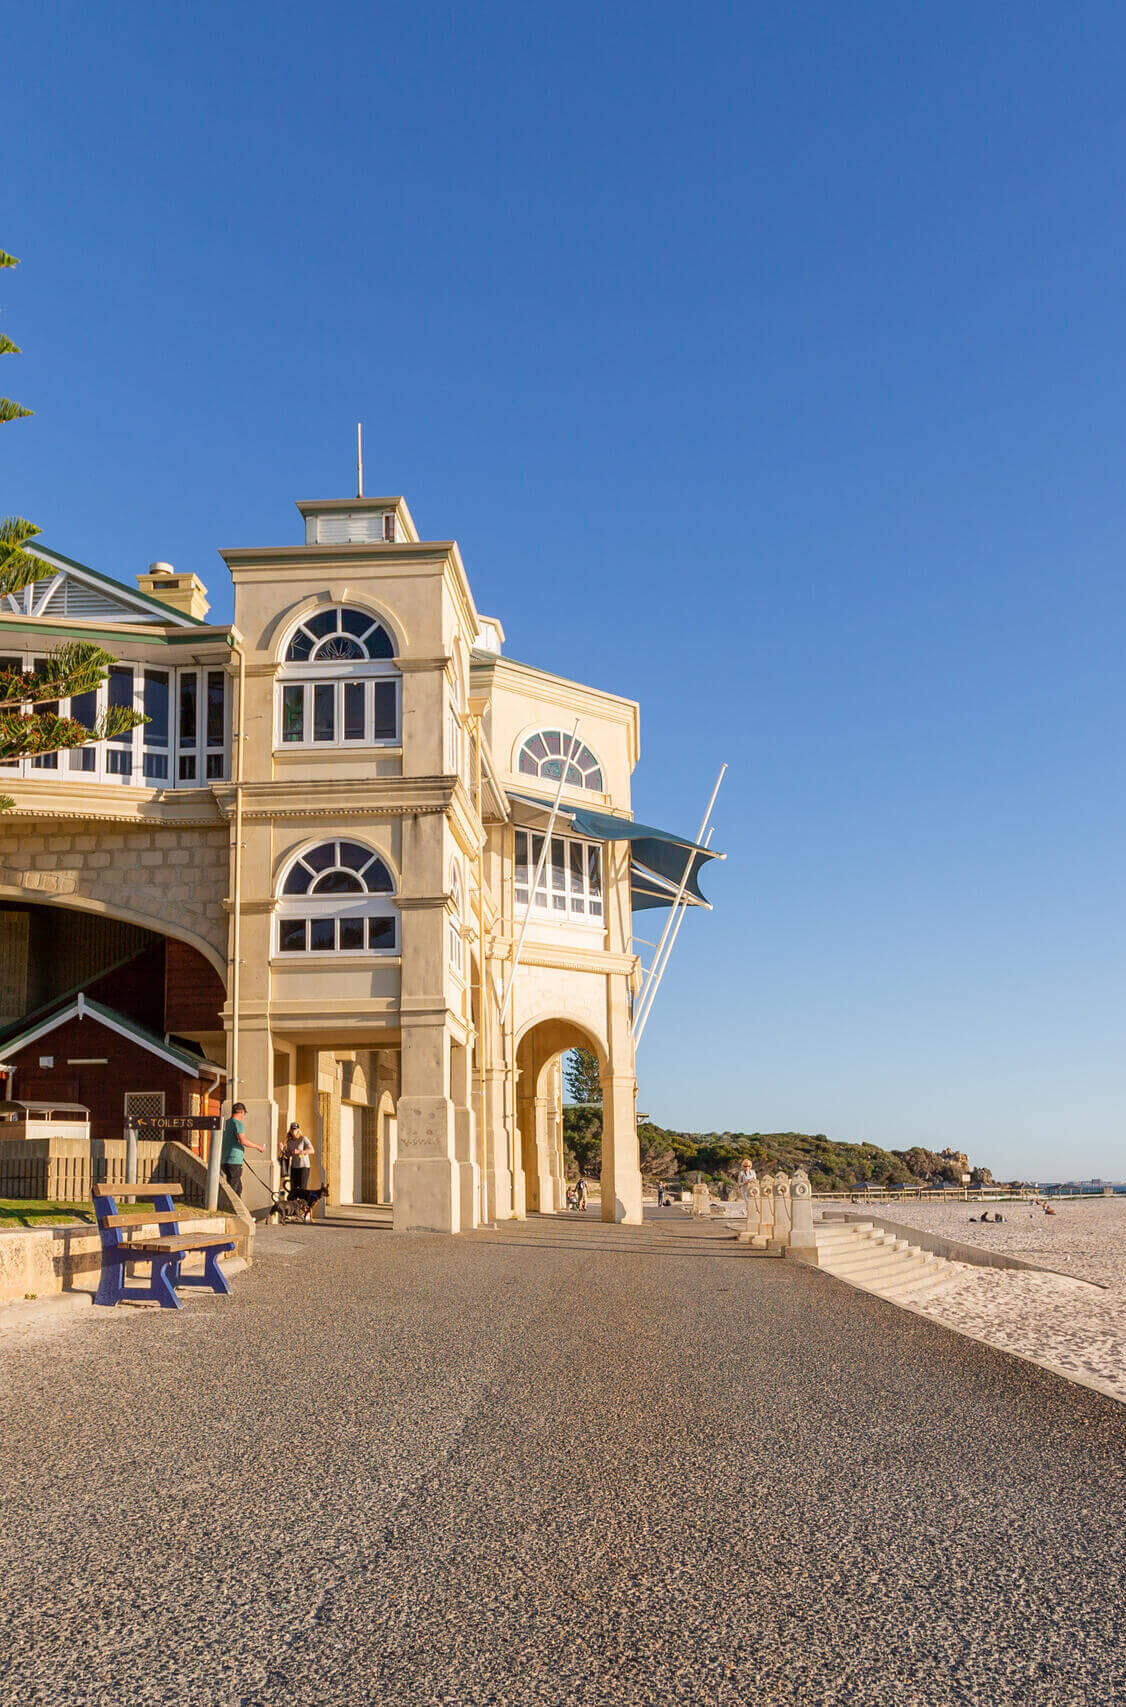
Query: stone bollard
x=782, y=1210
x=766, y=1214
x=802, y=1240
x=701, y=1200
x=752, y=1199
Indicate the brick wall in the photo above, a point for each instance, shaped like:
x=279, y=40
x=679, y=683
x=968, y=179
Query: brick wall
x=128, y=1067
x=156, y=878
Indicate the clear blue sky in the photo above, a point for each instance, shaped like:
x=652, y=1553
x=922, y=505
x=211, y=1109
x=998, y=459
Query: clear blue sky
x=766, y=360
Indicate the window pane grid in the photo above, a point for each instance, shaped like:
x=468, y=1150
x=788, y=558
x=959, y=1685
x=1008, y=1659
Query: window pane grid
x=175, y=747
x=355, y=713
x=571, y=880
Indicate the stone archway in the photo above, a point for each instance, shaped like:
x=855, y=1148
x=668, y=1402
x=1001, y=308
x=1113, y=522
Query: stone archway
x=170, y=881
x=539, y=1110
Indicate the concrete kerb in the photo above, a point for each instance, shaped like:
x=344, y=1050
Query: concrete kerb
x=954, y=1250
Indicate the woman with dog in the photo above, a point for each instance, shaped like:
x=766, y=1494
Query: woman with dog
x=299, y=1153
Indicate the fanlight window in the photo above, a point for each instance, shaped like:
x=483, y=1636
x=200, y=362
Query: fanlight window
x=339, y=686
x=342, y=636
x=545, y=754
x=338, y=899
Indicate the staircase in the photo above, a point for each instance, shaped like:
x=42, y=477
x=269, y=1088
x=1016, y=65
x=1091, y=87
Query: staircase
x=878, y=1261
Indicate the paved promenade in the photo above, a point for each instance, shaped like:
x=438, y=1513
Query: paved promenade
x=559, y=1463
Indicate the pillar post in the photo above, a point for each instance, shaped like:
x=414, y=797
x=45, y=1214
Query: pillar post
x=469, y=1172
x=427, y=1187
x=621, y=1159
x=256, y=1090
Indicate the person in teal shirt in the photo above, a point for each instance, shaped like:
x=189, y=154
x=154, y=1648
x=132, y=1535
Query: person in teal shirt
x=235, y=1146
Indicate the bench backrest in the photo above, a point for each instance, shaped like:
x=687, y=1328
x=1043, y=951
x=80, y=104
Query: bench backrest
x=109, y=1220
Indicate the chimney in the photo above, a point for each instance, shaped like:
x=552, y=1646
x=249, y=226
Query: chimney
x=185, y=593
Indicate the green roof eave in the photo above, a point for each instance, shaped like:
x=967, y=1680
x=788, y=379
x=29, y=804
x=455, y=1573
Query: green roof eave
x=100, y=636
x=41, y=550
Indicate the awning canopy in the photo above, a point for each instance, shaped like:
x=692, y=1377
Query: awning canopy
x=657, y=857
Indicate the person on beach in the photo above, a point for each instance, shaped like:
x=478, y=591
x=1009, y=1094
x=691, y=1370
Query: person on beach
x=235, y=1146
x=298, y=1151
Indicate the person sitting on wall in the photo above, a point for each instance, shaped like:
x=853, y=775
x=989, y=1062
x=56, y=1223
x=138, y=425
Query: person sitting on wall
x=235, y=1145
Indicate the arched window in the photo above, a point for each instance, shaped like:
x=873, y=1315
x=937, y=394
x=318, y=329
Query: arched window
x=543, y=755
x=338, y=898
x=339, y=636
x=338, y=685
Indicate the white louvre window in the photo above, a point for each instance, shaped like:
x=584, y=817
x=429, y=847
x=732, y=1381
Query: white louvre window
x=358, y=527
x=338, y=898
x=570, y=885
x=543, y=756
x=338, y=686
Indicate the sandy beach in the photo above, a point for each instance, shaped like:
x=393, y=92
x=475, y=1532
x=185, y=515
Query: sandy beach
x=1058, y=1318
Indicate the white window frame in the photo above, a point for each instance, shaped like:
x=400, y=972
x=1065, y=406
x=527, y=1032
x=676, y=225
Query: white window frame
x=71, y=764
x=455, y=941
x=541, y=776
x=583, y=902
x=336, y=676
x=350, y=905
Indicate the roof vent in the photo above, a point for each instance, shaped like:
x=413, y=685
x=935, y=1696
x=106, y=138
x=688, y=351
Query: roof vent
x=161, y=569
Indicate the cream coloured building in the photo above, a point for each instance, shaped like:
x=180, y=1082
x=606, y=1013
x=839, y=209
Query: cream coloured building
x=339, y=804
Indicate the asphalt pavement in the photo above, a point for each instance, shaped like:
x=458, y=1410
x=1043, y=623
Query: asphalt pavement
x=555, y=1463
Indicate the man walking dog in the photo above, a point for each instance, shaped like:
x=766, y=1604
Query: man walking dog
x=235, y=1146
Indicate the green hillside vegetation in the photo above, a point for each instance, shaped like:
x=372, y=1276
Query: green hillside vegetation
x=715, y=1156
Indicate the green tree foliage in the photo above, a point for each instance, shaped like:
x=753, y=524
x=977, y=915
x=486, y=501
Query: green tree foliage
x=580, y=1073
x=716, y=1155
x=29, y=714
x=10, y=411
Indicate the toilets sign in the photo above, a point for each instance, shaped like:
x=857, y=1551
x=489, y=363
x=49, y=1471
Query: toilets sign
x=178, y=1123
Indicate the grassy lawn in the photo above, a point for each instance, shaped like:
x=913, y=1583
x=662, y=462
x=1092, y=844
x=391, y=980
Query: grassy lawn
x=33, y=1212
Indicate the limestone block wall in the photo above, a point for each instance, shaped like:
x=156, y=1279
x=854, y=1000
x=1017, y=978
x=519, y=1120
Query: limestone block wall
x=168, y=880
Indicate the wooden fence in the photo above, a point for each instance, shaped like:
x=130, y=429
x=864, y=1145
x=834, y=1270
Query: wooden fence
x=64, y=1170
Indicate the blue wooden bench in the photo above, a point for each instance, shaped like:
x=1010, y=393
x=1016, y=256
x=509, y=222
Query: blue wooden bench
x=164, y=1250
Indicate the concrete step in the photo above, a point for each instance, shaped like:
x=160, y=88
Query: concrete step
x=925, y=1285
x=894, y=1272
x=865, y=1256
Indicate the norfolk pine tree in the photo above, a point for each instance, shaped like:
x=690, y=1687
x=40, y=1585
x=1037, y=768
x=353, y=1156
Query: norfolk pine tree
x=29, y=718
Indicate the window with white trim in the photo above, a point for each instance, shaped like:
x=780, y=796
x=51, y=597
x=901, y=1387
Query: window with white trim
x=337, y=898
x=570, y=885
x=544, y=754
x=456, y=945
x=338, y=686
x=184, y=744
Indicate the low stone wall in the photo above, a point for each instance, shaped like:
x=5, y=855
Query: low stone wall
x=39, y=1262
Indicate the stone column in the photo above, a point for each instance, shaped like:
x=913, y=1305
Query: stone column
x=547, y=1200
x=802, y=1240
x=465, y=1138
x=256, y=1090
x=427, y=1187
x=621, y=1158
x=498, y=1174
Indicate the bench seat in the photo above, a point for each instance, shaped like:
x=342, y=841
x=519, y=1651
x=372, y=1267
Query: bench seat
x=183, y=1242
x=164, y=1250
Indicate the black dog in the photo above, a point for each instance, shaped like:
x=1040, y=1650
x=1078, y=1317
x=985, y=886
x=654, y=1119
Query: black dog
x=299, y=1204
